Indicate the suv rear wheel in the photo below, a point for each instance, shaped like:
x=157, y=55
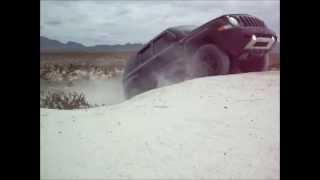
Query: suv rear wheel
x=141, y=84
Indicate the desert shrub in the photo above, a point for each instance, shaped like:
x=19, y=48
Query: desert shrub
x=57, y=72
x=63, y=100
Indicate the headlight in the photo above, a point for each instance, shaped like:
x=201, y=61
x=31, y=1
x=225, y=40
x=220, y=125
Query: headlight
x=233, y=21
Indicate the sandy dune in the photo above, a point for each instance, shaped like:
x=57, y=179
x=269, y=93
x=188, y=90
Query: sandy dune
x=212, y=127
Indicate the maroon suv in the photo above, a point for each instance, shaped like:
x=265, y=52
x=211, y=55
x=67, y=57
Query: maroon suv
x=231, y=43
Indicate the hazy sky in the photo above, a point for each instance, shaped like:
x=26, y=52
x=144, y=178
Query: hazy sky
x=119, y=22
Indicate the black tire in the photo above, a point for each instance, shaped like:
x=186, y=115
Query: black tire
x=175, y=71
x=130, y=89
x=254, y=64
x=208, y=60
x=138, y=85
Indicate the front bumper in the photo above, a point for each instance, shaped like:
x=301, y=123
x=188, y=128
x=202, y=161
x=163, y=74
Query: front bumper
x=247, y=40
x=260, y=43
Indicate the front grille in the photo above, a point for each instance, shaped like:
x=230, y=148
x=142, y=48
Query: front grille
x=261, y=44
x=249, y=21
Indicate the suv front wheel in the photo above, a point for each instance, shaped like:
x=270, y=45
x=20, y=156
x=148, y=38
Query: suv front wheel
x=208, y=60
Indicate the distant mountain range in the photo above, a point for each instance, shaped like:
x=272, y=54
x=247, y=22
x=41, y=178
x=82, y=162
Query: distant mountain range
x=50, y=45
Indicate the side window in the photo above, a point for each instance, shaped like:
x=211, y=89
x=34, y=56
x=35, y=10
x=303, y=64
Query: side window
x=146, y=53
x=163, y=41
